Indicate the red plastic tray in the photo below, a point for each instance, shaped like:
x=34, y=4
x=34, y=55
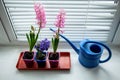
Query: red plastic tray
x=64, y=63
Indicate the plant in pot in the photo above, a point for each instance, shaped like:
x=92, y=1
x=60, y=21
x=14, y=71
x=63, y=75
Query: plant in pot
x=29, y=55
x=32, y=37
x=41, y=54
x=54, y=56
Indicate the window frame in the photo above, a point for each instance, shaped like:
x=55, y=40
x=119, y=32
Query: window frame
x=5, y=19
x=116, y=22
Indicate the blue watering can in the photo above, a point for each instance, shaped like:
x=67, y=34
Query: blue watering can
x=90, y=52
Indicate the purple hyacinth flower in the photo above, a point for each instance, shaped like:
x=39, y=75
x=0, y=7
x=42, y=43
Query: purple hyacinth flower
x=43, y=45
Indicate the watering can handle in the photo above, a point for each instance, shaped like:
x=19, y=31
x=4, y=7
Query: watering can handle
x=109, y=51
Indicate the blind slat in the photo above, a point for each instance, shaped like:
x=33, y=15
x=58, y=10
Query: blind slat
x=69, y=14
x=63, y=6
x=61, y=2
x=68, y=10
x=68, y=32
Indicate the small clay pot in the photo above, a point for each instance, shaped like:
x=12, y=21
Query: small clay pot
x=28, y=58
x=54, y=59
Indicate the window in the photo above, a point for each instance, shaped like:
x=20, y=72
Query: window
x=91, y=19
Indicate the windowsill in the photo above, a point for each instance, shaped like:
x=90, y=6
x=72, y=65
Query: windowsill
x=106, y=71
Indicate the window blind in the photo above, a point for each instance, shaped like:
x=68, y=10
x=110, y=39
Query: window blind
x=90, y=19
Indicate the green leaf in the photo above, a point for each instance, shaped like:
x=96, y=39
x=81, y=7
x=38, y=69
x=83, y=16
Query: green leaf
x=28, y=39
x=32, y=40
x=56, y=41
x=53, y=44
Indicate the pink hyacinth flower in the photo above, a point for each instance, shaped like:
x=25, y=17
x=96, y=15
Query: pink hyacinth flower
x=60, y=19
x=40, y=15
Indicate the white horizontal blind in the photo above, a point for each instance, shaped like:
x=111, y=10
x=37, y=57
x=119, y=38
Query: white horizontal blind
x=84, y=18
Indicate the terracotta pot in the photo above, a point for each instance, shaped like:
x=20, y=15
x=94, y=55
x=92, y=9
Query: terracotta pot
x=29, y=60
x=54, y=62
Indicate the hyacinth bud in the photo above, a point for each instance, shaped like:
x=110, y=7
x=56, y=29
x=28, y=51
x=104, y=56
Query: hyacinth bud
x=32, y=28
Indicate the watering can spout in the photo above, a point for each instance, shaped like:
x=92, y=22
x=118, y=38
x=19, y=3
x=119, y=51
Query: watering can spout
x=71, y=44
